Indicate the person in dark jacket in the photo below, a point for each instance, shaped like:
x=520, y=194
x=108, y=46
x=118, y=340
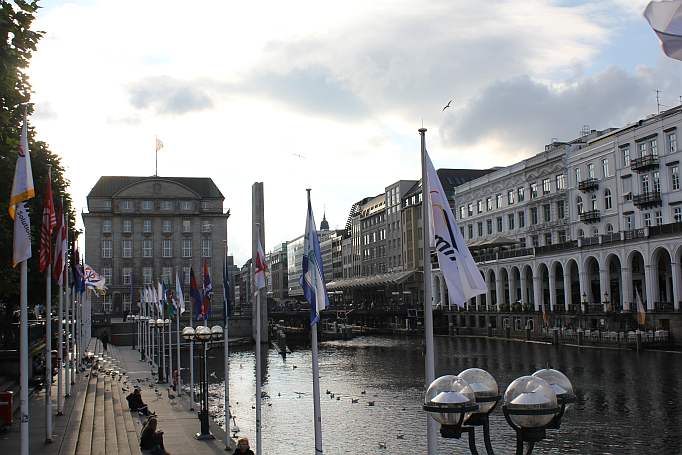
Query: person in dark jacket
x=135, y=403
x=243, y=447
x=105, y=339
x=152, y=439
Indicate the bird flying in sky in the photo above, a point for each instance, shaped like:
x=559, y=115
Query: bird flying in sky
x=448, y=105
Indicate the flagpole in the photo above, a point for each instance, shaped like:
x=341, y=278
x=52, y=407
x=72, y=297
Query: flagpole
x=226, y=320
x=65, y=362
x=23, y=356
x=163, y=343
x=431, y=425
x=316, y=377
x=48, y=338
x=191, y=347
x=156, y=166
x=259, y=449
x=177, y=330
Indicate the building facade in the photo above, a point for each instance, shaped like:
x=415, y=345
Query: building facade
x=144, y=230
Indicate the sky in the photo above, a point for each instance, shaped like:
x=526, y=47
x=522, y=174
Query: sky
x=330, y=95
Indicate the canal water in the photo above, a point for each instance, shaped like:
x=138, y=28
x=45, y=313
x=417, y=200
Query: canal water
x=627, y=402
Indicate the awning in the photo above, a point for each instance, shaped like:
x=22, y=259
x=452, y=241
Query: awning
x=369, y=281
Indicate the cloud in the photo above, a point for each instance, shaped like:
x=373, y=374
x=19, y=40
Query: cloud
x=44, y=111
x=521, y=115
x=169, y=96
x=130, y=120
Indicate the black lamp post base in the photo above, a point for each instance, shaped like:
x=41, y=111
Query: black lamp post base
x=204, y=436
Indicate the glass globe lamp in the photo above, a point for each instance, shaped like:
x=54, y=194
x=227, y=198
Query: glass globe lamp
x=203, y=333
x=216, y=332
x=559, y=382
x=530, y=402
x=188, y=333
x=447, y=398
x=484, y=386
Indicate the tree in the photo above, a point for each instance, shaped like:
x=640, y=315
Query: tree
x=17, y=43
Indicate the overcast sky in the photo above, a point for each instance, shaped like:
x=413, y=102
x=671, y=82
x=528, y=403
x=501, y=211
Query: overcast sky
x=238, y=90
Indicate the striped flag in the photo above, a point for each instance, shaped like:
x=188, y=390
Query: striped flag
x=194, y=293
x=641, y=312
x=227, y=310
x=312, y=275
x=22, y=190
x=178, y=292
x=208, y=290
x=60, y=249
x=49, y=222
x=261, y=267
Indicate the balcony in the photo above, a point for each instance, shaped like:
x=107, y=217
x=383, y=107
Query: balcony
x=593, y=216
x=588, y=185
x=645, y=163
x=647, y=200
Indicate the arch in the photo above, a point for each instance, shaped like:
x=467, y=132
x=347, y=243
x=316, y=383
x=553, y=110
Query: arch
x=573, y=294
x=591, y=283
x=514, y=285
x=579, y=204
x=594, y=231
x=609, y=228
x=637, y=266
x=527, y=284
x=559, y=293
x=581, y=234
x=544, y=291
x=613, y=268
x=662, y=271
x=504, y=277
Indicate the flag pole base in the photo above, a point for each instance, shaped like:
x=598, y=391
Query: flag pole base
x=201, y=436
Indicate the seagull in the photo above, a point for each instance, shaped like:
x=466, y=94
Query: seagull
x=171, y=397
x=382, y=445
x=401, y=436
x=213, y=375
x=354, y=400
x=370, y=403
x=299, y=156
x=448, y=105
x=363, y=392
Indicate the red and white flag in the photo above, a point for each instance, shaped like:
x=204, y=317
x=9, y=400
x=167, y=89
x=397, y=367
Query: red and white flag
x=261, y=267
x=49, y=222
x=60, y=249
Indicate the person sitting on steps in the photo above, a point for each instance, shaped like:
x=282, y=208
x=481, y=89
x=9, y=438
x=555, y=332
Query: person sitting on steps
x=152, y=439
x=135, y=403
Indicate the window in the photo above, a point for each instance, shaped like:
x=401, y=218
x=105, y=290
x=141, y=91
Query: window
x=645, y=183
x=546, y=186
x=106, y=205
x=146, y=205
x=167, y=275
x=607, y=199
x=656, y=181
x=609, y=228
x=106, y=248
x=510, y=197
x=185, y=275
x=499, y=224
x=593, y=200
x=595, y=232
x=642, y=149
x=186, y=248
x=628, y=223
x=577, y=176
x=533, y=190
x=548, y=238
x=534, y=215
x=672, y=142
x=647, y=219
x=579, y=204
x=677, y=214
x=167, y=248
x=535, y=239
x=127, y=248
x=522, y=219
x=511, y=221
x=562, y=236
x=489, y=204
x=471, y=231
x=106, y=303
x=521, y=194
x=590, y=171
x=522, y=241
x=653, y=147
x=561, y=182
x=675, y=177
x=480, y=206
x=146, y=248
x=480, y=228
x=605, y=167
x=106, y=225
x=185, y=205
x=205, y=248
x=106, y=273
x=127, y=205
x=659, y=217
x=147, y=275
x=560, y=212
x=489, y=224
x=127, y=226
x=547, y=210
x=461, y=212
x=470, y=209
x=204, y=205
x=186, y=225
x=166, y=225
x=125, y=275
x=205, y=226
x=147, y=224
x=498, y=201
x=625, y=152
x=166, y=205
x=581, y=234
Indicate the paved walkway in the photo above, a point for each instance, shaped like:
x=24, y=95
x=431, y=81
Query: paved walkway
x=97, y=421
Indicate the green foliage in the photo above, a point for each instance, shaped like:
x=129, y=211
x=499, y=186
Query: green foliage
x=504, y=307
x=17, y=43
x=516, y=307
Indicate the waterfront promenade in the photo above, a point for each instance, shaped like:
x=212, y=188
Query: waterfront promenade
x=96, y=419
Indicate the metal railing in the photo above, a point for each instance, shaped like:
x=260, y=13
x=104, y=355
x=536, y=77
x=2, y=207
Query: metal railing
x=590, y=216
x=647, y=199
x=643, y=163
x=590, y=184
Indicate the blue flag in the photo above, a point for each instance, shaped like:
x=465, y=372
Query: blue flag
x=194, y=292
x=208, y=290
x=227, y=309
x=312, y=275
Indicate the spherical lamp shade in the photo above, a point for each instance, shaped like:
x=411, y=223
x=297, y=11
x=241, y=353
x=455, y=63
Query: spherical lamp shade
x=216, y=332
x=188, y=333
x=203, y=333
x=484, y=387
x=159, y=323
x=559, y=382
x=530, y=393
x=451, y=394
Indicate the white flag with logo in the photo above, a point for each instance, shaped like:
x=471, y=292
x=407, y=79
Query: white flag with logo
x=461, y=274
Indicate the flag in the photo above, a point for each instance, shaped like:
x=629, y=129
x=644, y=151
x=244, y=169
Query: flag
x=170, y=301
x=60, y=250
x=74, y=277
x=208, y=290
x=312, y=275
x=22, y=186
x=81, y=279
x=179, y=294
x=261, y=267
x=641, y=312
x=49, y=222
x=194, y=292
x=158, y=297
x=461, y=274
x=665, y=19
x=94, y=280
x=159, y=144
x=139, y=302
x=227, y=309
x=544, y=313
x=22, y=234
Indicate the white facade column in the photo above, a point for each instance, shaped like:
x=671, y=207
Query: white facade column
x=676, y=285
x=650, y=275
x=604, y=285
x=537, y=292
x=568, y=297
x=626, y=279
x=552, y=291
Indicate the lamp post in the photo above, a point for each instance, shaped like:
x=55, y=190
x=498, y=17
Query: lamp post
x=161, y=370
x=203, y=335
x=533, y=404
x=151, y=323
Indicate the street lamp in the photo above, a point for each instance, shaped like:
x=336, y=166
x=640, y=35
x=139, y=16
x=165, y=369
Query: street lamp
x=203, y=335
x=533, y=404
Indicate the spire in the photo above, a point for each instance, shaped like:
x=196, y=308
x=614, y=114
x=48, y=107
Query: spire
x=324, y=225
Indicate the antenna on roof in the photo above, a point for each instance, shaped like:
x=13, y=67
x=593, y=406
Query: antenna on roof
x=585, y=130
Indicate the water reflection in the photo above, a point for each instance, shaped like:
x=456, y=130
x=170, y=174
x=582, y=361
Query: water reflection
x=627, y=402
